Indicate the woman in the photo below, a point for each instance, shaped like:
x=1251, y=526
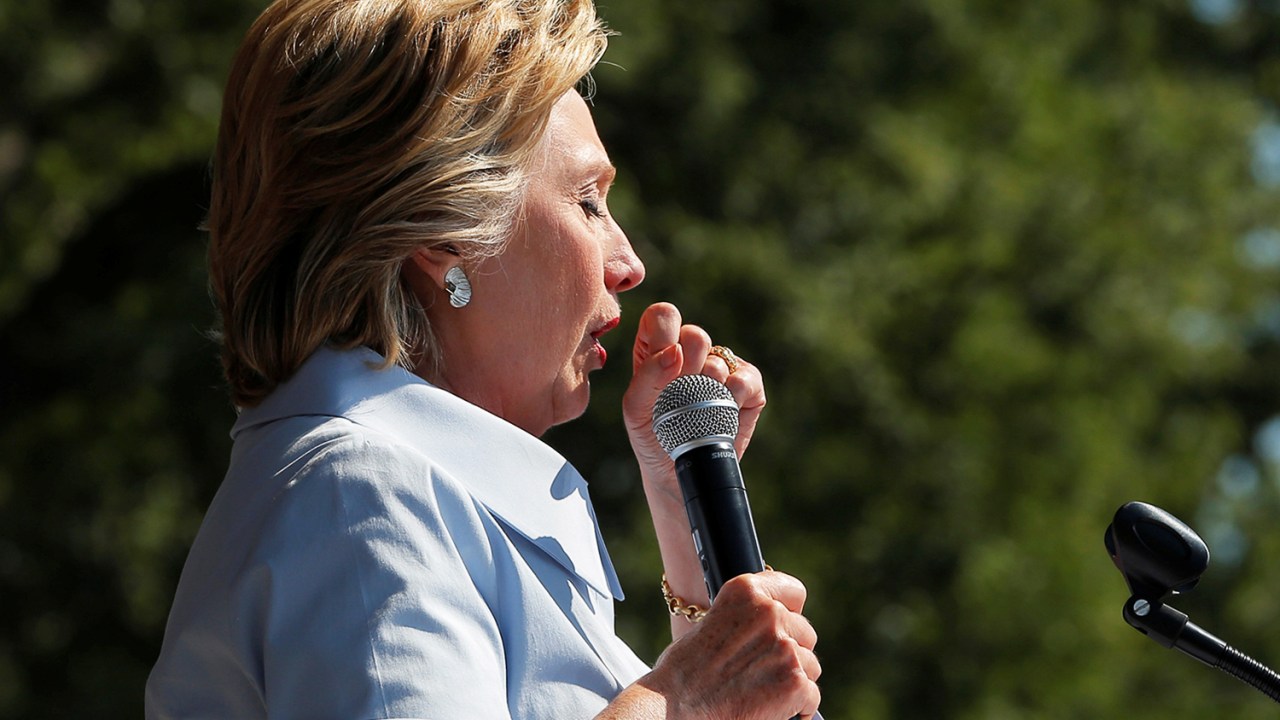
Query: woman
x=413, y=264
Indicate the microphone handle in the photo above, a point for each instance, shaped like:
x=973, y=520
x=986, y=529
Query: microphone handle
x=715, y=499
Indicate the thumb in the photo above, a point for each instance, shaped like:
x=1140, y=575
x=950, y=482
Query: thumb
x=659, y=329
x=656, y=359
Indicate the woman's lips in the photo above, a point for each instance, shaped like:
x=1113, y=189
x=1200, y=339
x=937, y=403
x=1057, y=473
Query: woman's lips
x=595, y=335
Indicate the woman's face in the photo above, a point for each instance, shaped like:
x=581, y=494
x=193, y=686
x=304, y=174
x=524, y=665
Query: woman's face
x=524, y=345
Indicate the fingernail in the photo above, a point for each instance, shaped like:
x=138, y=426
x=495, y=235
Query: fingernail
x=668, y=357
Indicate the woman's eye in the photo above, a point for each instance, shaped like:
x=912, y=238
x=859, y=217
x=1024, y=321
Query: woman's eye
x=591, y=206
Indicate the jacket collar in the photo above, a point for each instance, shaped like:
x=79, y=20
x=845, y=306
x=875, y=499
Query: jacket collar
x=525, y=484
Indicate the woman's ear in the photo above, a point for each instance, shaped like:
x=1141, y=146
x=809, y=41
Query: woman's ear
x=434, y=263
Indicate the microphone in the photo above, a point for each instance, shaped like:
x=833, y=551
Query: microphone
x=696, y=420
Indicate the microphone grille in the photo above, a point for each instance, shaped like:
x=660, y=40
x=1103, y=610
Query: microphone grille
x=693, y=407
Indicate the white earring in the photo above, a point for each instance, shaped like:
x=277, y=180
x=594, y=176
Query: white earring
x=458, y=287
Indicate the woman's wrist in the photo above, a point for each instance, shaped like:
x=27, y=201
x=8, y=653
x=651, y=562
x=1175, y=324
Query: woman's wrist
x=682, y=571
x=662, y=488
x=637, y=701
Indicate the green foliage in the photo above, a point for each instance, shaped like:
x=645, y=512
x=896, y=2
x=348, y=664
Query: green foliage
x=988, y=257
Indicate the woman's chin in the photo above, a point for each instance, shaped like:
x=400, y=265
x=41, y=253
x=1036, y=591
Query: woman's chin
x=571, y=404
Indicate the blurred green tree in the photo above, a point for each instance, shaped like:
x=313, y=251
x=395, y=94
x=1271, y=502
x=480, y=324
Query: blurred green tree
x=113, y=435
x=1005, y=267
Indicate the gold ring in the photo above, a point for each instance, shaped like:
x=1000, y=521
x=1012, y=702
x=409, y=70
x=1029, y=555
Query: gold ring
x=733, y=361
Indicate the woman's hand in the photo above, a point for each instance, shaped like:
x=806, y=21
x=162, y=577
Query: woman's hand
x=665, y=349
x=751, y=656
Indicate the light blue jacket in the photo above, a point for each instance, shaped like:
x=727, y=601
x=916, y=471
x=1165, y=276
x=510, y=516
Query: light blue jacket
x=381, y=548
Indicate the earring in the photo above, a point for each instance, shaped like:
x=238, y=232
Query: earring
x=458, y=287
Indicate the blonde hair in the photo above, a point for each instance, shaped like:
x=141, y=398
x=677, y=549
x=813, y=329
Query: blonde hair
x=354, y=132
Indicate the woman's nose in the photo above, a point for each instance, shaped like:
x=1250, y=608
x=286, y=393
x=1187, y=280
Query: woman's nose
x=623, y=269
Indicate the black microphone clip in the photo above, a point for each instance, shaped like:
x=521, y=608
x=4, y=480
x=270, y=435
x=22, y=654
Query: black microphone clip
x=1160, y=556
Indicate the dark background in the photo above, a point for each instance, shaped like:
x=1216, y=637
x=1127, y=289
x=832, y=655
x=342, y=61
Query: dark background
x=1005, y=266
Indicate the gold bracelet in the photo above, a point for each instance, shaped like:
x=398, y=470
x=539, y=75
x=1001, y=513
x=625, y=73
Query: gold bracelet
x=677, y=606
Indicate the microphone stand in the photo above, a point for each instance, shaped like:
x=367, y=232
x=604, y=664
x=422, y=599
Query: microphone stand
x=1171, y=628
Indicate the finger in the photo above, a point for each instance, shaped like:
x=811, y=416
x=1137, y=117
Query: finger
x=747, y=386
x=656, y=360
x=696, y=344
x=659, y=329
x=804, y=690
x=809, y=662
x=746, y=383
x=717, y=369
x=784, y=588
x=812, y=701
x=799, y=628
x=762, y=589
